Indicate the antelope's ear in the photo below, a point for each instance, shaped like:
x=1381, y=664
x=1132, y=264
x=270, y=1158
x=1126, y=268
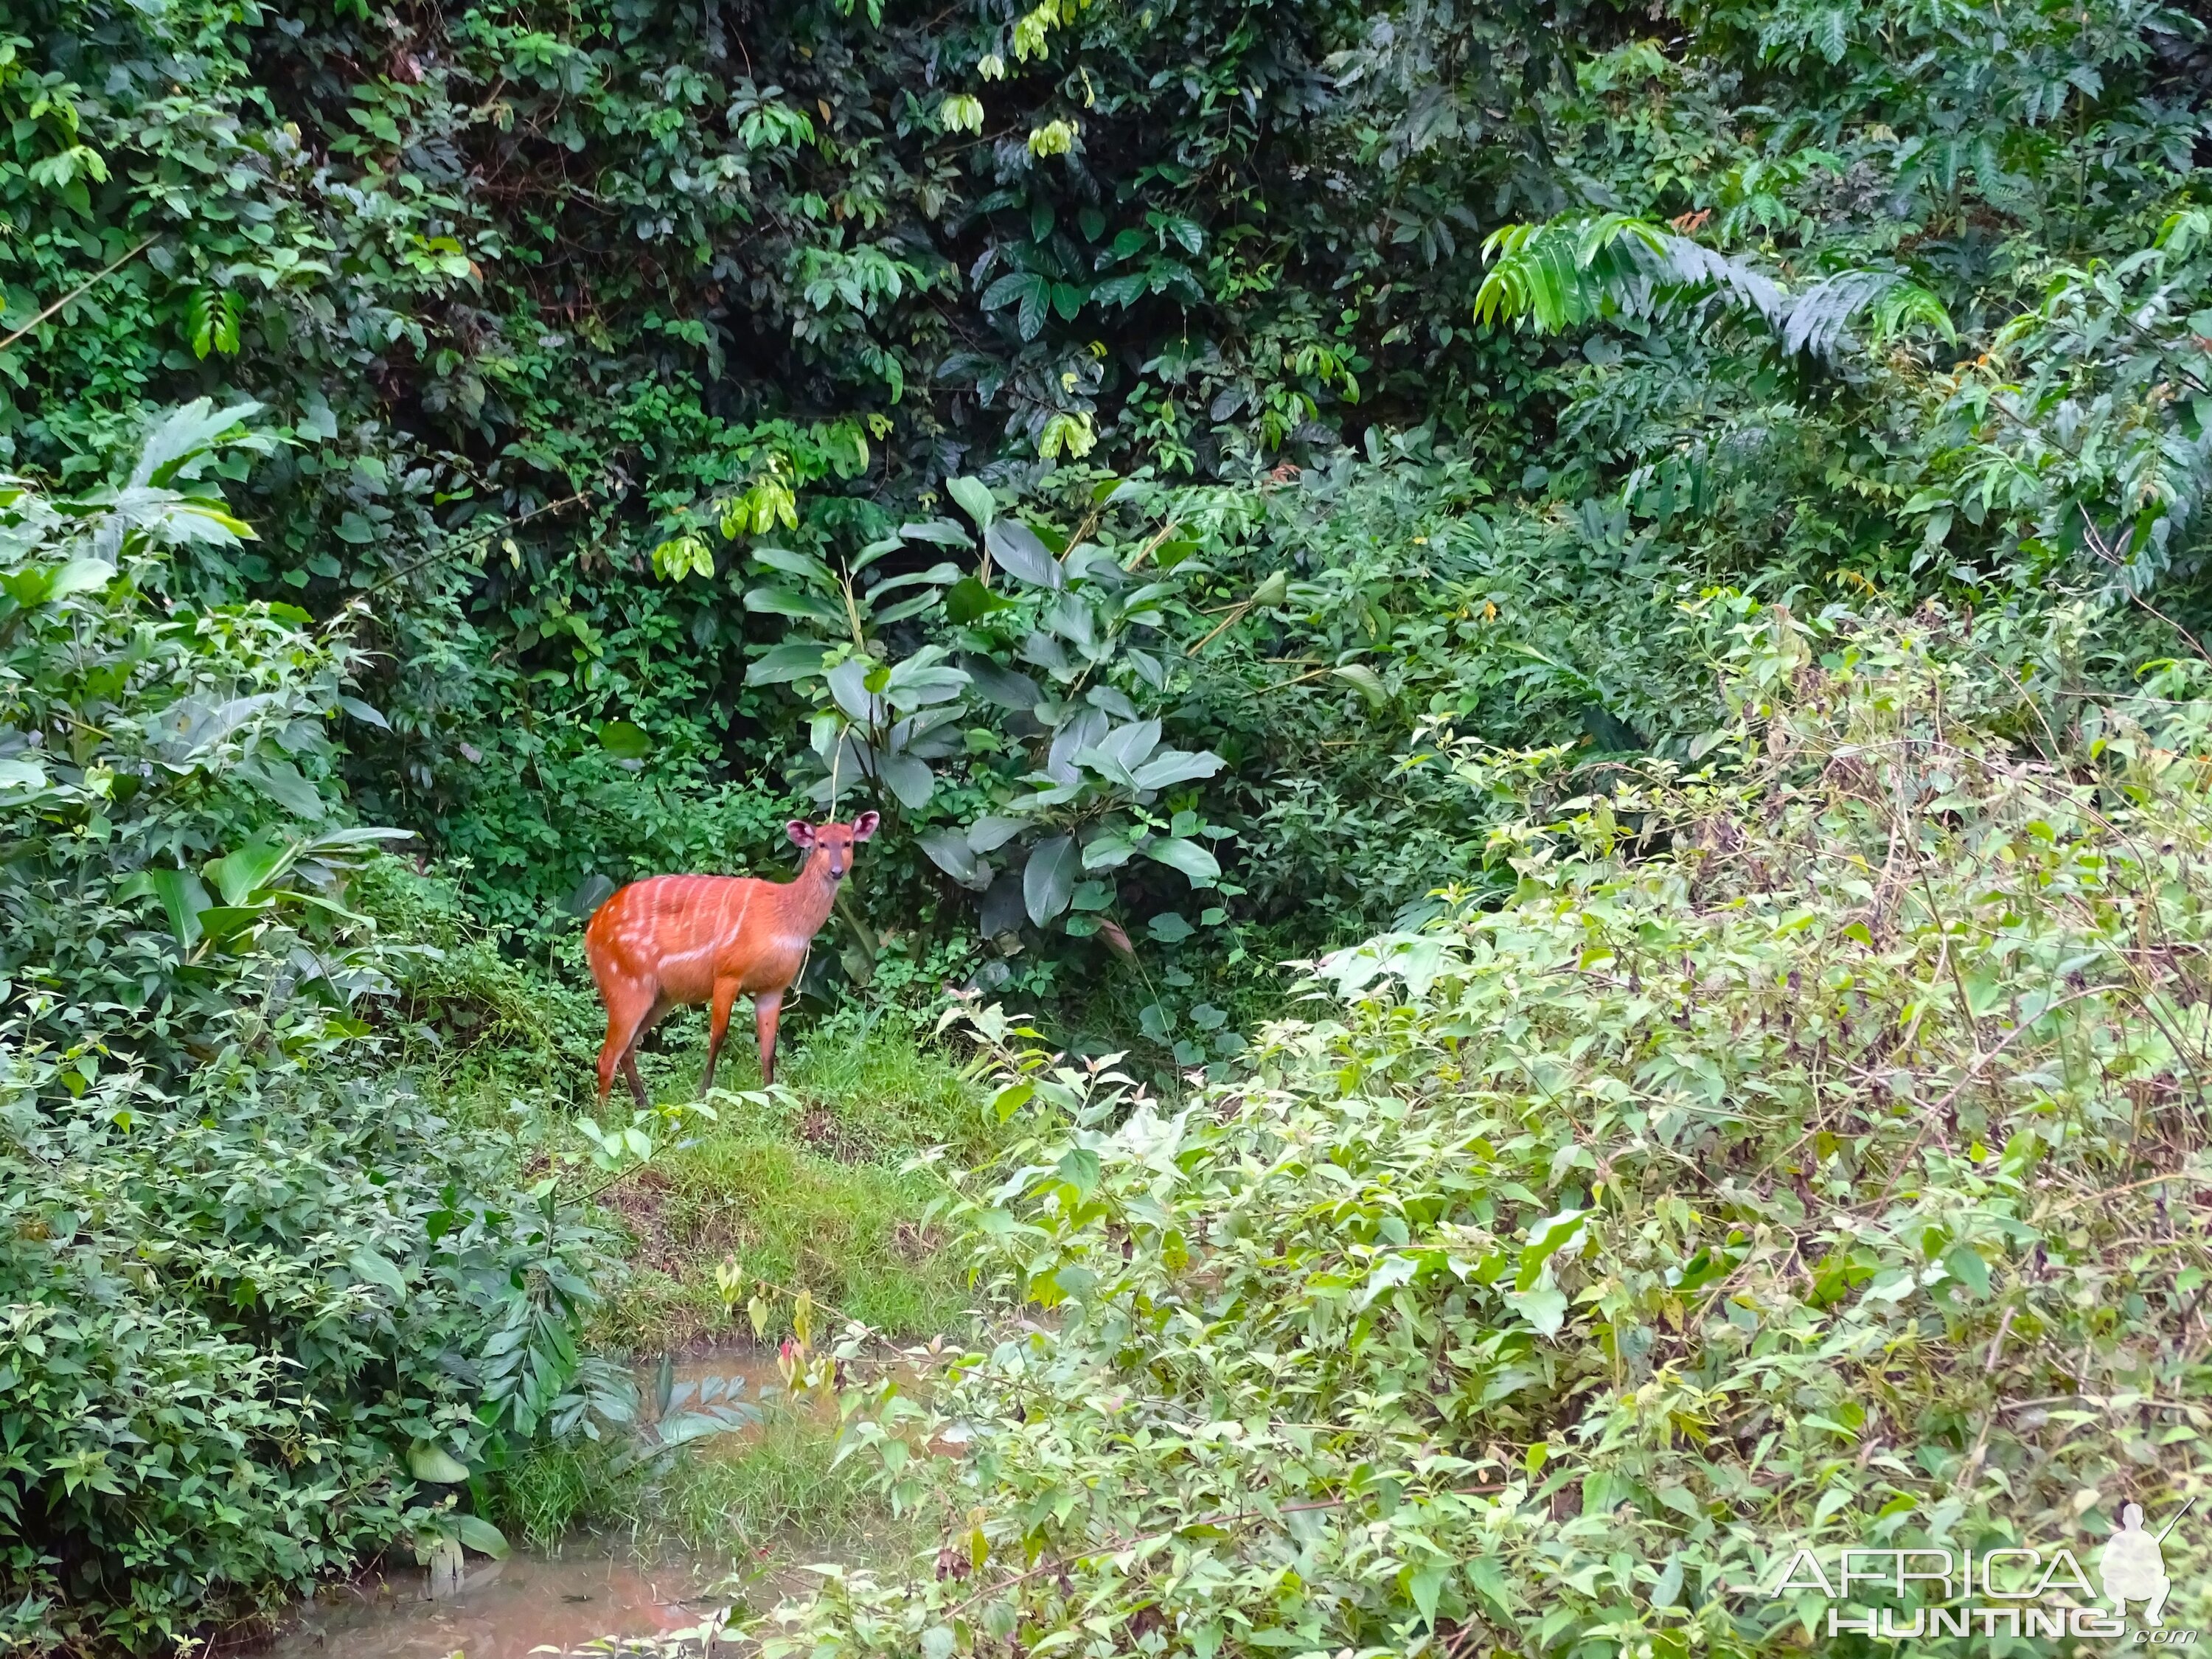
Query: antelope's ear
x=865, y=825
x=801, y=831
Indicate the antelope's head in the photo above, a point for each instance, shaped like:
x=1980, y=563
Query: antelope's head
x=834, y=841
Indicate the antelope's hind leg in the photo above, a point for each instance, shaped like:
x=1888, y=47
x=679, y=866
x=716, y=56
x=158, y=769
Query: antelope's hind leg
x=630, y=1027
x=630, y=1010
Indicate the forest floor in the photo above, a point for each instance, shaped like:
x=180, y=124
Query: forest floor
x=812, y=1189
x=809, y=1191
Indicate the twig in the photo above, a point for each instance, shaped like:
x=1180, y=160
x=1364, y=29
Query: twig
x=78, y=292
x=445, y=548
x=1236, y=614
x=1997, y=1342
x=2176, y=1522
x=2110, y=556
x=1145, y=552
x=2114, y=1192
x=1974, y=1067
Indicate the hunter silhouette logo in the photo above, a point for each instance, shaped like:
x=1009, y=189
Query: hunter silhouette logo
x=2009, y=1590
x=2134, y=1564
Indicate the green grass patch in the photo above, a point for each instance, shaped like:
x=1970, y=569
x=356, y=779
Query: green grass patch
x=807, y=1192
x=768, y=1488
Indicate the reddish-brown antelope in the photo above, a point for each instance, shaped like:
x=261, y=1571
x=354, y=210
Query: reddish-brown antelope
x=671, y=941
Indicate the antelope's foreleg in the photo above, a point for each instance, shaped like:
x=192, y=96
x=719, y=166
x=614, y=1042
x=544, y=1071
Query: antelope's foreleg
x=767, y=1005
x=718, y=1027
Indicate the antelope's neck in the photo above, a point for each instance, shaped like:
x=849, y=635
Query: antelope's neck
x=809, y=895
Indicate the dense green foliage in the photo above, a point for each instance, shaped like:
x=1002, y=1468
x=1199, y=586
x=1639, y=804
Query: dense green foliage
x=1166, y=457
x=613, y=347
x=263, y=1307
x=1806, y=1152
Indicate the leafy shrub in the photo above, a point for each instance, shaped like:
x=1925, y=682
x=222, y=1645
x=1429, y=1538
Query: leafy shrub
x=599, y=462
x=261, y=1310
x=1805, y=1152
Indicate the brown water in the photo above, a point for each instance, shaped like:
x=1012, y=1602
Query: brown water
x=729, y=1382
x=509, y=1609
x=504, y=1611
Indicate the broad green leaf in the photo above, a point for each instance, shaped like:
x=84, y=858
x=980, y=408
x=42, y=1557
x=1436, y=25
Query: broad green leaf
x=240, y=874
x=1425, y=1584
x=436, y=1466
x=974, y=496
x=225, y=921
x=1488, y=1577
x=588, y=894
x=908, y=779
x=793, y=660
x=789, y=602
x=945, y=533
x=624, y=740
x=184, y=898
x=805, y=565
x=914, y=684
x=905, y=608
x=1176, y=766
x=1130, y=745
x=938, y=575
x=351, y=838
x=281, y=782
x=480, y=1536
x=1365, y=680
x=880, y=548
x=371, y=1266
x=948, y=849
x=185, y=433
x=1547, y=1238
x=1115, y=703
x=79, y=576
x=1049, y=878
x=1023, y=557
x=1966, y=1265
x=1108, y=852
x=1187, y=856
x=1107, y=765
x=988, y=833
x=969, y=601
x=848, y=689
x=1544, y=1308
x=1003, y=686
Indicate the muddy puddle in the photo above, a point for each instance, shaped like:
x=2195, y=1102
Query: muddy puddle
x=683, y=1397
x=505, y=1610
x=533, y=1602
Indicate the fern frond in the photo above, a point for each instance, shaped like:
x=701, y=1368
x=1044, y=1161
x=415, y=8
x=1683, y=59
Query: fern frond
x=1693, y=265
x=1556, y=276
x=1904, y=303
x=1815, y=320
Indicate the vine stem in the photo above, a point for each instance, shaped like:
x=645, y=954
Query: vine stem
x=78, y=292
x=445, y=548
